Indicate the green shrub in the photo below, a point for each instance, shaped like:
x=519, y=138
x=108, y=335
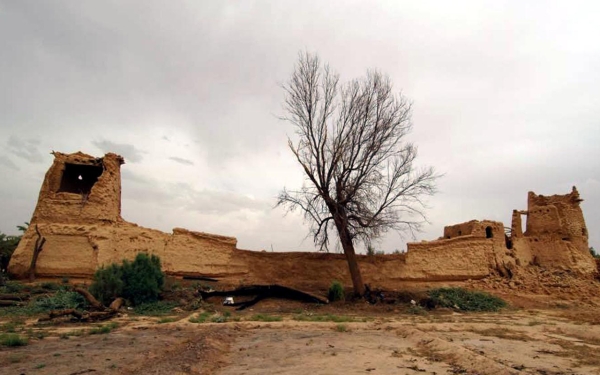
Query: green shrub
x=143, y=279
x=336, y=292
x=140, y=281
x=108, y=283
x=12, y=339
x=201, y=318
x=466, y=300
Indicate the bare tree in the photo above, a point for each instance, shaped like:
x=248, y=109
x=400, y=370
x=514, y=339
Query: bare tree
x=359, y=171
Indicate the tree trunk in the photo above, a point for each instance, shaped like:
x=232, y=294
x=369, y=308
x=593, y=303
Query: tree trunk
x=90, y=298
x=348, y=246
x=39, y=246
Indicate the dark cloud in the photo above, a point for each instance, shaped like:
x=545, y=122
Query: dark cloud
x=129, y=152
x=181, y=160
x=25, y=148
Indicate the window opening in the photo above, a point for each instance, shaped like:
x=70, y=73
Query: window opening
x=79, y=178
x=488, y=232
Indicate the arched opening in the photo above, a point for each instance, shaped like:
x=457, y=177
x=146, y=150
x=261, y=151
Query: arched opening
x=460, y=232
x=488, y=232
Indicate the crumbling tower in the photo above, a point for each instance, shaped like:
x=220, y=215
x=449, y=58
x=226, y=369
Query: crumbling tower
x=555, y=234
x=80, y=188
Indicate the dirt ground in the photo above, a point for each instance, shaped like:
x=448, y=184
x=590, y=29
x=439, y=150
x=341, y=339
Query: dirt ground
x=368, y=340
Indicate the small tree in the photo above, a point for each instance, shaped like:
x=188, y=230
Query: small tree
x=358, y=166
x=143, y=279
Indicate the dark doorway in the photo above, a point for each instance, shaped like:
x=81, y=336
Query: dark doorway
x=79, y=178
x=508, y=241
x=488, y=232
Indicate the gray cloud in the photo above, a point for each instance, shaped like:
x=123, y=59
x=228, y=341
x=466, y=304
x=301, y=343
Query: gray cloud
x=181, y=160
x=505, y=101
x=5, y=161
x=25, y=148
x=129, y=152
x=128, y=175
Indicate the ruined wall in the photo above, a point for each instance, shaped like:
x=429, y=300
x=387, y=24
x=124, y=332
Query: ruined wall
x=468, y=250
x=79, y=214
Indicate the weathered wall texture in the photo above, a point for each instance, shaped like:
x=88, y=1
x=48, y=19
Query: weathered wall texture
x=79, y=214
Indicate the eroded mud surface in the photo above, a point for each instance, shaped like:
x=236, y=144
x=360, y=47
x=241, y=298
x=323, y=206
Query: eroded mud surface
x=521, y=341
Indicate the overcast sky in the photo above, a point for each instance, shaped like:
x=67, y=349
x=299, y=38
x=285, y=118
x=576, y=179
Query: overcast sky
x=506, y=100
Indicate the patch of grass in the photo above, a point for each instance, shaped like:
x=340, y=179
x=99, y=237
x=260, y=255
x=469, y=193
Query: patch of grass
x=466, y=300
x=12, y=339
x=37, y=334
x=62, y=299
x=166, y=320
x=265, y=318
x=200, y=318
x=103, y=329
x=40, y=365
x=158, y=308
x=326, y=318
x=66, y=335
x=16, y=358
x=12, y=287
x=226, y=317
x=341, y=328
x=534, y=323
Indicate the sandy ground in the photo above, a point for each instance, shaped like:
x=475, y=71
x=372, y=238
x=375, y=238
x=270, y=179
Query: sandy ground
x=519, y=341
